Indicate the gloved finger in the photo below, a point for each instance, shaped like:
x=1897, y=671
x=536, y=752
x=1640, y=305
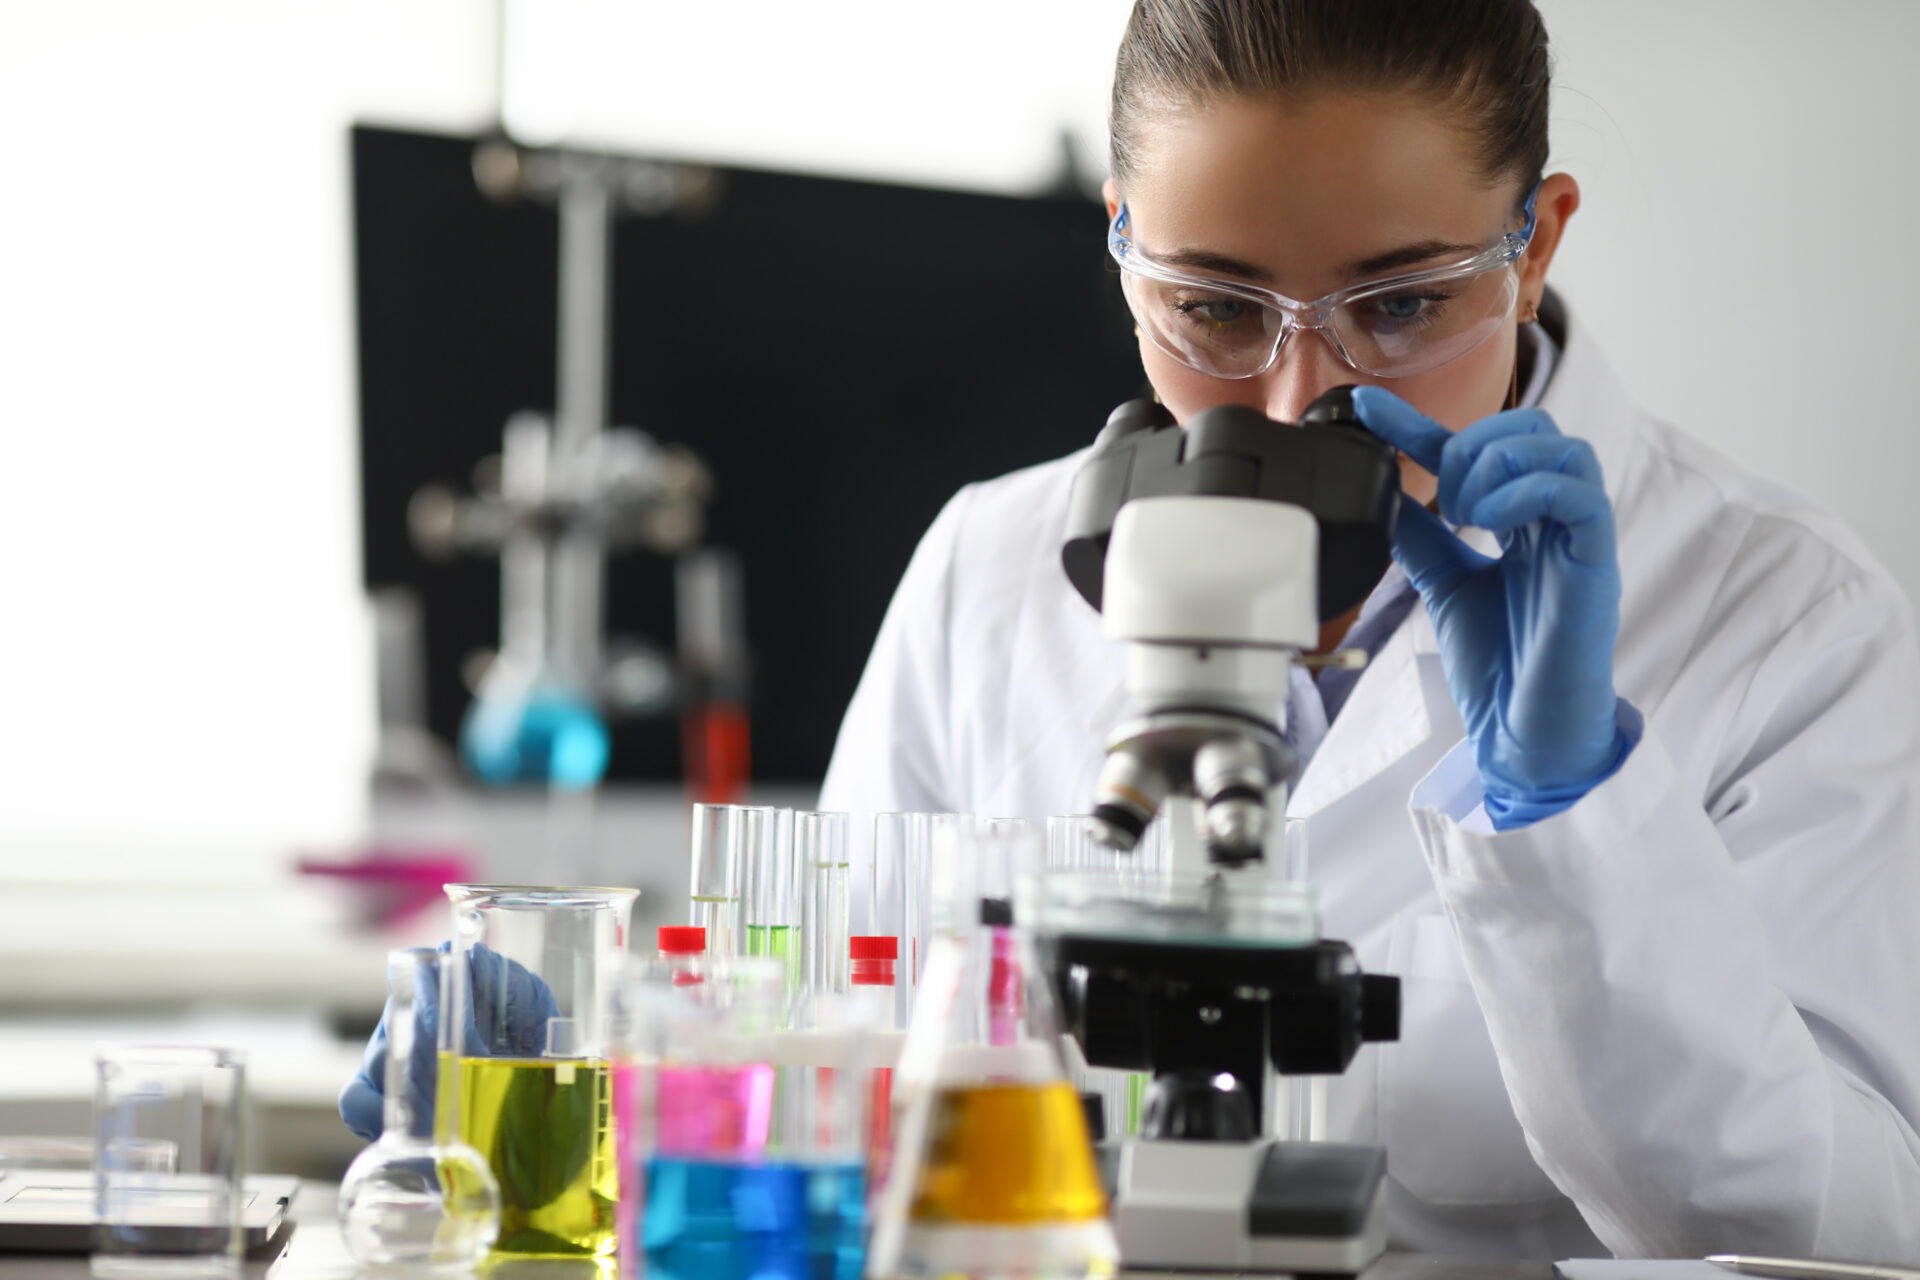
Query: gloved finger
x=1461, y=453
x=1508, y=459
x=510, y=1008
x=1580, y=506
x=1435, y=559
x=1401, y=425
x=361, y=1104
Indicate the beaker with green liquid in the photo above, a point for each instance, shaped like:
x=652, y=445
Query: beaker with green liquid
x=525, y=1072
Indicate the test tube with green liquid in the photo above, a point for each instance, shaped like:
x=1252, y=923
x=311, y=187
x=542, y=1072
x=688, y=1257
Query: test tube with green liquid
x=772, y=881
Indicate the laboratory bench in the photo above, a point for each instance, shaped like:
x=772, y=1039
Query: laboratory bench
x=315, y=1251
x=236, y=951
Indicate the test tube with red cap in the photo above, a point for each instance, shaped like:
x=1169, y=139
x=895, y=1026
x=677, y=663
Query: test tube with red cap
x=872, y=961
x=682, y=948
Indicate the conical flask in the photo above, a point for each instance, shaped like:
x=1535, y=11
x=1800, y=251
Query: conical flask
x=992, y=1173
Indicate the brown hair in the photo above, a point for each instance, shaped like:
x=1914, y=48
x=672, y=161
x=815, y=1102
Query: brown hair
x=1483, y=60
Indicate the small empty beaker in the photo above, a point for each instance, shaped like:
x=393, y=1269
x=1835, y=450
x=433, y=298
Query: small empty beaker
x=167, y=1162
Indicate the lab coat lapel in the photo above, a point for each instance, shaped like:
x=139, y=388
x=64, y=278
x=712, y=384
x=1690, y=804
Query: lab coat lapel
x=1399, y=703
x=1385, y=717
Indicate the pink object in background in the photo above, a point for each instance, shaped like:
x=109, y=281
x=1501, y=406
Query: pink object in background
x=394, y=885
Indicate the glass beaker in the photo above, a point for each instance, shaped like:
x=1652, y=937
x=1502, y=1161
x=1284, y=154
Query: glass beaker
x=725, y=1193
x=167, y=1168
x=525, y=1073
x=408, y=1201
x=993, y=1174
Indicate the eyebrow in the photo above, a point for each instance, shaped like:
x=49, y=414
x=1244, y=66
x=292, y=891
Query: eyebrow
x=1405, y=256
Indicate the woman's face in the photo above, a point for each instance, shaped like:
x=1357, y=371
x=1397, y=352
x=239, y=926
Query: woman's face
x=1297, y=191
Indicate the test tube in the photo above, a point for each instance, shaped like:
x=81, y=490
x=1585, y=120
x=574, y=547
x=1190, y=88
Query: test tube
x=820, y=847
x=898, y=895
x=894, y=838
x=772, y=881
x=1072, y=848
x=683, y=950
x=715, y=877
x=952, y=832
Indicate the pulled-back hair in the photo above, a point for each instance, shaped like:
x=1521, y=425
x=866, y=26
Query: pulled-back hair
x=1482, y=61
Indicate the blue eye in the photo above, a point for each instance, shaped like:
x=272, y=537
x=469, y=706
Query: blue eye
x=1397, y=311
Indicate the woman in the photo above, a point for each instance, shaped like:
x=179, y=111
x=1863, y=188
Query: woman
x=1625, y=795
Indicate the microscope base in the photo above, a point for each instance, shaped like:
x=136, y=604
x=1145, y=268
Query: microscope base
x=1301, y=1207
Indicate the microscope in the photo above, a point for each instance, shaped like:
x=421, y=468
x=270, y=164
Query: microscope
x=1215, y=552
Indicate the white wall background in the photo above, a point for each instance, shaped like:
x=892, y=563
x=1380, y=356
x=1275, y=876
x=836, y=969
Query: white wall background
x=1744, y=253
x=177, y=408
x=176, y=381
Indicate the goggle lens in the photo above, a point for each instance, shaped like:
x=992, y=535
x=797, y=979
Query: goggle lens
x=1395, y=333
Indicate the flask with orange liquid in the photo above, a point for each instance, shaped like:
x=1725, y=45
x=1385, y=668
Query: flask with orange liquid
x=993, y=1174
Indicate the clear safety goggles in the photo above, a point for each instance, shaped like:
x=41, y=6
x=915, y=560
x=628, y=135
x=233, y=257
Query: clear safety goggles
x=1391, y=328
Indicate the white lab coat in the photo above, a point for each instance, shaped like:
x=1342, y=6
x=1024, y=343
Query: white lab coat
x=1681, y=1017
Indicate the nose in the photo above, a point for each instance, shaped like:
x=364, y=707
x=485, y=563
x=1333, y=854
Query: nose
x=1306, y=368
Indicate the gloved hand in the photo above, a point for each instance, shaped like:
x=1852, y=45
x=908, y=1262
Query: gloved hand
x=507, y=1013
x=1526, y=640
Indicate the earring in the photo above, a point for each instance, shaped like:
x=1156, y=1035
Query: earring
x=1533, y=313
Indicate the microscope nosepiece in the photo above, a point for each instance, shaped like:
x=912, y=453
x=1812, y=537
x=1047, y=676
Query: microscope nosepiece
x=1231, y=777
x=1236, y=828
x=1125, y=799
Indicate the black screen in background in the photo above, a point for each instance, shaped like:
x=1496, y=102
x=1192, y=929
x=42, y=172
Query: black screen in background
x=843, y=355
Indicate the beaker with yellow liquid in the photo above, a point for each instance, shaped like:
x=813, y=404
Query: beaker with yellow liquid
x=525, y=1071
x=992, y=1174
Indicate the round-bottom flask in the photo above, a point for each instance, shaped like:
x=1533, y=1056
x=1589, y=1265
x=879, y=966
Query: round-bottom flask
x=407, y=1201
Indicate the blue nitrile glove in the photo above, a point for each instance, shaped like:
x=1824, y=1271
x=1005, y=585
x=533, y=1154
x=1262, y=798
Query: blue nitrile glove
x=507, y=1015
x=1526, y=640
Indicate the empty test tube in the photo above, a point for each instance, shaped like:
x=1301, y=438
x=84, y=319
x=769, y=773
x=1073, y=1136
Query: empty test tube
x=820, y=847
x=715, y=876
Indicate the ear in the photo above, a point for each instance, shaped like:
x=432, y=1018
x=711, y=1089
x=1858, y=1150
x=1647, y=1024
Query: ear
x=1559, y=199
x=1111, y=194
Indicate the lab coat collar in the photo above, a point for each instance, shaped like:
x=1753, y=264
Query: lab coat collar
x=1585, y=398
x=1385, y=717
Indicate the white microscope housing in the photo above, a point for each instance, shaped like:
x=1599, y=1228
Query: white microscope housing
x=1213, y=596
